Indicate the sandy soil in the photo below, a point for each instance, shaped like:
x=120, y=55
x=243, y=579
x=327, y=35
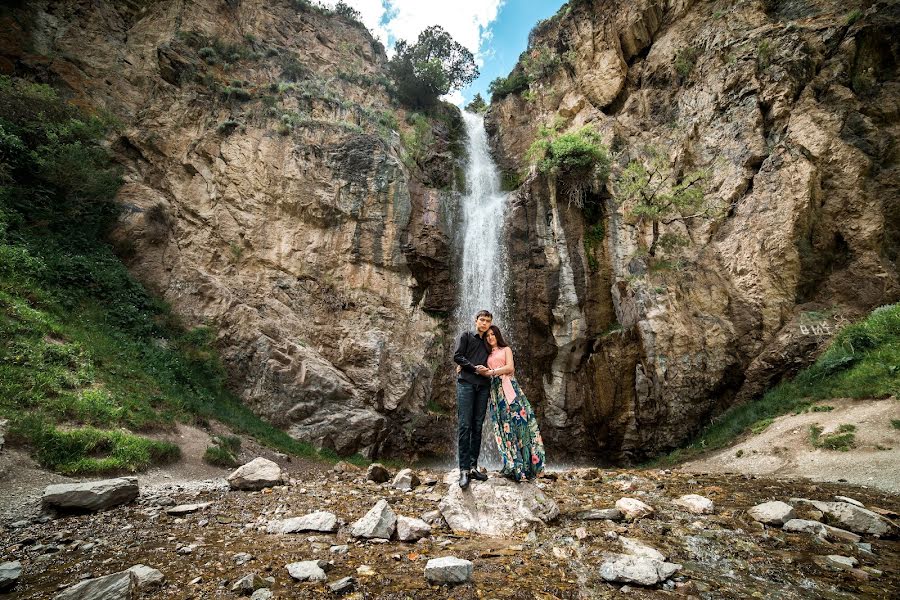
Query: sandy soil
x=783, y=449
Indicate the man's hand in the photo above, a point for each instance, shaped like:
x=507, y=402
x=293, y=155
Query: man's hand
x=481, y=370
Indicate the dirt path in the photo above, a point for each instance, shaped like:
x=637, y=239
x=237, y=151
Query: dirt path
x=783, y=449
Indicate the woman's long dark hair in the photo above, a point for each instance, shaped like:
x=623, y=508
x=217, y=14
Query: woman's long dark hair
x=501, y=343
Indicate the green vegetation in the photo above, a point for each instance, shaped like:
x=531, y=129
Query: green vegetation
x=764, y=54
x=578, y=160
x=874, y=372
x=657, y=194
x=593, y=237
x=435, y=65
x=540, y=62
x=685, y=61
x=822, y=408
x=89, y=361
x=761, y=426
x=477, y=105
x=853, y=16
x=895, y=423
x=224, y=451
x=515, y=83
x=843, y=439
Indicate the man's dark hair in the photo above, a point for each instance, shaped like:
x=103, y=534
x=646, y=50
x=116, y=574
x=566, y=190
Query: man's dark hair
x=484, y=313
x=501, y=343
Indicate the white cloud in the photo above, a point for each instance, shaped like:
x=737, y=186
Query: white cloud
x=468, y=21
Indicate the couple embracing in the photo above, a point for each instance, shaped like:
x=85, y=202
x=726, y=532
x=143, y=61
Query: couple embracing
x=486, y=379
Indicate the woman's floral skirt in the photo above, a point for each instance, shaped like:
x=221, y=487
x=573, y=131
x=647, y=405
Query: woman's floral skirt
x=516, y=433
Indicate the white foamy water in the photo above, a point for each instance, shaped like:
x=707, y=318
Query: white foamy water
x=484, y=262
x=483, y=269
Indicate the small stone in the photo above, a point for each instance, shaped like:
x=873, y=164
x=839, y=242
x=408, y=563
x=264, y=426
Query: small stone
x=633, y=508
x=636, y=548
x=772, y=513
x=841, y=562
x=820, y=529
x=147, y=577
x=248, y=584
x=321, y=521
x=379, y=522
x=307, y=570
x=448, y=570
x=185, y=509
x=342, y=586
x=412, y=530
x=698, y=505
x=365, y=571
x=581, y=533
x=849, y=501
x=10, y=572
x=342, y=549
x=608, y=514
x=257, y=474
x=242, y=558
x=405, y=480
x=262, y=594
x=195, y=581
x=637, y=569
x=377, y=473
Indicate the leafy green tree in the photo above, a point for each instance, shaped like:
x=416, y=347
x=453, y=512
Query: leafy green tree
x=578, y=160
x=477, y=105
x=430, y=68
x=661, y=195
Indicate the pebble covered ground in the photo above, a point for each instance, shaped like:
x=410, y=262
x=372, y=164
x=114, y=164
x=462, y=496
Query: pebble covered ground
x=202, y=554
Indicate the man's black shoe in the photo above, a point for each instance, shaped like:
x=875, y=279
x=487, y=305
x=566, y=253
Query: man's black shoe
x=464, y=479
x=476, y=474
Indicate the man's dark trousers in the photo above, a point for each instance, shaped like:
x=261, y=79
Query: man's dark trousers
x=471, y=405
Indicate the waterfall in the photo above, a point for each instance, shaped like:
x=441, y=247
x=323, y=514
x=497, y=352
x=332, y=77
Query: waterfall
x=484, y=265
x=483, y=268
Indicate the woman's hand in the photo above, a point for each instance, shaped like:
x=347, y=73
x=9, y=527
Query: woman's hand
x=458, y=369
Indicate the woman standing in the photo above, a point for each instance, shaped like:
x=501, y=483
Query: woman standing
x=515, y=426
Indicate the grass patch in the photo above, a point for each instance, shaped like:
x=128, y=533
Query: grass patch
x=863, y=361
x=843, y=439
x=760, y=426
x=895, y=423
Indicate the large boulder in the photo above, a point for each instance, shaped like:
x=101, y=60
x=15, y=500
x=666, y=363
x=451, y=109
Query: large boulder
x=379, y=522
x=855, y=518
x=497, y=507
x=307, y=570
x=322, y=521
x=406, y=480
x=772, y=513
x=90, y=495
x=633, y=508
x=821, y=530
x=448, y=570
x=257, y=474
x=118, y=586
x=377, y=473
x=641, y=570
x=699, y=505
x=412, y=530
x=10, y=572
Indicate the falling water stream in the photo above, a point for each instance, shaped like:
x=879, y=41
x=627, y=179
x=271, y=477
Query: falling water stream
x=483, y=270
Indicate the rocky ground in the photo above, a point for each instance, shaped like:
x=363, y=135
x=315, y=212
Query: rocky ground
x=727, y=553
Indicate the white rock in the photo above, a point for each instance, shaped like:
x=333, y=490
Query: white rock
x=497, y=507
x=699, y=505
x=633, y=508
x=147, y=577
x=307, y=570
x=841, y=562
x=256, y=474
x=185, y=509
x=849, y=501
x=10, y=572
x=322, y=521
x=379, y=522
x=91, y=495
x=405, y=480
x=411, y=530
x=448, y=570
x=601, y=514
x=636, y=548
x=772, y=513
x=856, y=519
x=820, y=529
x=637, y=569
x=118, y=586
x=262, y=594
x=248, y=584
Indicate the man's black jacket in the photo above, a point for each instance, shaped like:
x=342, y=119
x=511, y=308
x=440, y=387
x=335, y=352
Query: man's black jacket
x=470, y=351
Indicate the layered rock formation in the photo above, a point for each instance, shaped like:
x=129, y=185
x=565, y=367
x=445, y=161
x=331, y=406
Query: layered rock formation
x=791, y=108
x=269, y=196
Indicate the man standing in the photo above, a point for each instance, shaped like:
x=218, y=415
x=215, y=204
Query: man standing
x=472, y=392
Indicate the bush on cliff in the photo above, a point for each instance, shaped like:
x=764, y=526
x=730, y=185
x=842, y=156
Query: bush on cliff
x=87, y=357
x=430, y=68
x=578, y=160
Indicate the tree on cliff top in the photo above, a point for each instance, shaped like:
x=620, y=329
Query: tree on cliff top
x=477, y=105
x=430, y=68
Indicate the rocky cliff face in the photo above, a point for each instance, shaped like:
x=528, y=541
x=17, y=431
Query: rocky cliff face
x=792, y=109
x=269, y=195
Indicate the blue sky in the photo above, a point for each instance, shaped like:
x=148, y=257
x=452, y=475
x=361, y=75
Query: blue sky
x=496, y=31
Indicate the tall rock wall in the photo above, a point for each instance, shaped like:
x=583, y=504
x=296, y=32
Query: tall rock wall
x=269, y=196
x=792, y=109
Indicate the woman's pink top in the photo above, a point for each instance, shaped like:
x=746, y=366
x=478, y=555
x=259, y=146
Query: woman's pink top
x=495, y=360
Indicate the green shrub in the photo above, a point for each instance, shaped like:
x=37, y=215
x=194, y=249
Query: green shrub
x=853, y=16
x=540, y=62
x=843, y=439
x=761, y=426
x=895, y=423
x=685, y=60
x=228, y=127
x=501, y=87
x=236, y=93
x=578, y=160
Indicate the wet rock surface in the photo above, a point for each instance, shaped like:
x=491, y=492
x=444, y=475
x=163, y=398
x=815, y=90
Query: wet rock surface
x=726, y=554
